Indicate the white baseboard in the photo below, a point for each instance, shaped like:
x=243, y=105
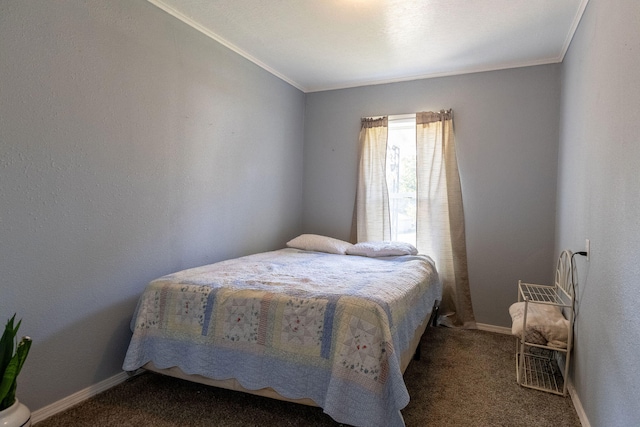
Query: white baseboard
x=78, y=397
x=493, y=328
x=582, y=416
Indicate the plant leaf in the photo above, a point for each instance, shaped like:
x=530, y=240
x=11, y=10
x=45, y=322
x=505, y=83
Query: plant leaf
x=6, y=344
x=22, y=352
x=11, y=364
x=10, y=398
x=9, y=377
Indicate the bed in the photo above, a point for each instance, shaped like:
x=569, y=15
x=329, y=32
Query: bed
x=317, y=328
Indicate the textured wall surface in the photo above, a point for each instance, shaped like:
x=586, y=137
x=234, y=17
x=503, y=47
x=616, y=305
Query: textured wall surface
x=130, y=146
x=599, y=199
x=506, y=126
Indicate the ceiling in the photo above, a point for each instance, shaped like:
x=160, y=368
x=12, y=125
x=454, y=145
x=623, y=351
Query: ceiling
x=320, y=45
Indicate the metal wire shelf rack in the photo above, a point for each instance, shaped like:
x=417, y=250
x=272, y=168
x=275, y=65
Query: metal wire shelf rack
x=538, y=366
x=541, y=373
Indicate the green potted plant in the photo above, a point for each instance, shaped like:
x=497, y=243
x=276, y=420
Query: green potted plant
x=12, y=357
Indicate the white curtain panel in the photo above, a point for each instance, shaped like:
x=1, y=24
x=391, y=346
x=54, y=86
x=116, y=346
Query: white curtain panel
x=372, y=218
x=440, y=215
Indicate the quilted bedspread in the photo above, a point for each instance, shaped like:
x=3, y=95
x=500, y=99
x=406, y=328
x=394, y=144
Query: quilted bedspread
x=308, y=324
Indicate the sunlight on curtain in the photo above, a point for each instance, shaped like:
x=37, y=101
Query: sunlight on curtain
x=372, y=219
x=440, y=220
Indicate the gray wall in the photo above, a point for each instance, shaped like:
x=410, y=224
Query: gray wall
x=131, y=146
x=599, y=199
x=506, y=127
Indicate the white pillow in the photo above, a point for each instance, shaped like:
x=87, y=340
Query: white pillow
x=315, y=242
x=384, y=248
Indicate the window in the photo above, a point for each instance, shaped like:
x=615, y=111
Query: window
x=409, y=190
x=401, y=177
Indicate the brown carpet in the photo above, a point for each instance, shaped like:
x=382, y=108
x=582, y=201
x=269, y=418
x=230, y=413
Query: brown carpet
x=465, y=378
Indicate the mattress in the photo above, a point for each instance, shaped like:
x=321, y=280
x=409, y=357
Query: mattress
x=325, y=329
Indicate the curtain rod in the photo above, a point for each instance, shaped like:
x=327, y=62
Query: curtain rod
x=391, y=116
x=404, y=115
